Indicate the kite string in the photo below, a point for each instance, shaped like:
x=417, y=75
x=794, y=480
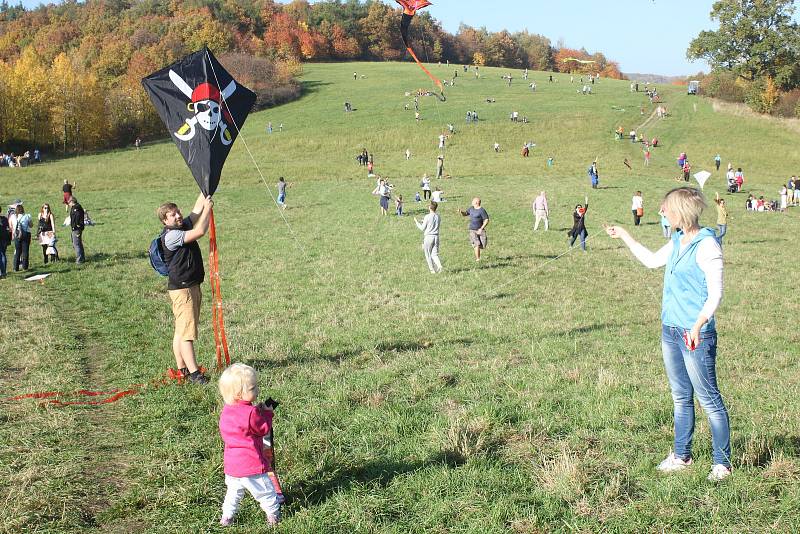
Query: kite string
x=531, y=270
x=435, y=103
x=255, y=163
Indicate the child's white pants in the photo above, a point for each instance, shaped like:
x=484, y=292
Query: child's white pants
x=259, y=486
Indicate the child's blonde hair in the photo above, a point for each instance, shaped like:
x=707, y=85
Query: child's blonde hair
x=237, y=380
x=687, y=203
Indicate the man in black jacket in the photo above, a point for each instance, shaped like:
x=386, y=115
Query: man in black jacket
x=182, y=255
x=76, y=217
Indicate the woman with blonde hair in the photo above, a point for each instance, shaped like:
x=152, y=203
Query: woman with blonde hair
x=692, y=293
x=242, y=426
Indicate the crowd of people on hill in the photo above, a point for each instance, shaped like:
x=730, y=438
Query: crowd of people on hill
x=691, y=294
x=11, y=159
x=17, y=227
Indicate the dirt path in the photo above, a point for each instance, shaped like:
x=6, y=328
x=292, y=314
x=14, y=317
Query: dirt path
x=66, y=464
x=646, y=122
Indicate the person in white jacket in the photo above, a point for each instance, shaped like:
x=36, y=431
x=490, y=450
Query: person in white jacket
x=541, y=211
x=430, y=239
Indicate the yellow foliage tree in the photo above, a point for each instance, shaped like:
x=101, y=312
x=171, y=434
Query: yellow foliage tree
x=770, y=96
x=77, y=111
x=202, y=30
x=31, y=98
x=5, y=101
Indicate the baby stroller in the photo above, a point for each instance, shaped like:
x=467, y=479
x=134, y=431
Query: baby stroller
x=49, y=240
x=732, y=187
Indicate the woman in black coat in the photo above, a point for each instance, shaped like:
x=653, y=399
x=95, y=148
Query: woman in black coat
x=579, y=224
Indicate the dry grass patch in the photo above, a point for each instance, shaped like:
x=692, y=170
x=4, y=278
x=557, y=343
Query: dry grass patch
x=562, y=476
x=467, y=438
x=742, y=110
x=783, y=469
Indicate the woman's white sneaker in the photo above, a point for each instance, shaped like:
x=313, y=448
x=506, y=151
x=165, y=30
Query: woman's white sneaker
x=672, y=463
x=719, y=472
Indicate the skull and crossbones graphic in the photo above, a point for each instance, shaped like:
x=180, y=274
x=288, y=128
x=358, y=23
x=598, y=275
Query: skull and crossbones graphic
x=207, y=103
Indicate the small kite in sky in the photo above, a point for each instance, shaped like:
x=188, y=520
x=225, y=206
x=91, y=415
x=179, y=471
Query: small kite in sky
x=582, y=61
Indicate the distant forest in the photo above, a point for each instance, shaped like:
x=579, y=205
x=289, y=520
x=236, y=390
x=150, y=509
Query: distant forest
x=70, y=73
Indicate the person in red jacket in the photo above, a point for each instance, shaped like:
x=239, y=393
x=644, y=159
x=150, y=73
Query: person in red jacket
x=243, y=426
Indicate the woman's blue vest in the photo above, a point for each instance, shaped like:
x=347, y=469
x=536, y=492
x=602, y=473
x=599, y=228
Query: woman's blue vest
x=685, y=289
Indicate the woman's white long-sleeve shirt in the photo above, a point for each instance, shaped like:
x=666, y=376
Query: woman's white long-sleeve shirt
x=709, y=259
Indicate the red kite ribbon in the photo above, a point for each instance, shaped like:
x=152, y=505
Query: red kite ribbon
x=218, y=319
x=111, y=395
x=431, y=76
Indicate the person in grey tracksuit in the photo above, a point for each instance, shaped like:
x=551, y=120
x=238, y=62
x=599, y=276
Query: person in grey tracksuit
x=430, y=240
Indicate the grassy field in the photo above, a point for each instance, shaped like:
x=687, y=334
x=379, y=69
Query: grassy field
x=522, y=394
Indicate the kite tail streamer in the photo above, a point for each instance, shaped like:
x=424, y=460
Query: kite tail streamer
x=269, y=454
x=218, y=319
x=111, y=395
x=433, y=78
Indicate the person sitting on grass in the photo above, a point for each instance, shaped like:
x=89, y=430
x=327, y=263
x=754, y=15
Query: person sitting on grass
x=692, y=293
x=242, y=426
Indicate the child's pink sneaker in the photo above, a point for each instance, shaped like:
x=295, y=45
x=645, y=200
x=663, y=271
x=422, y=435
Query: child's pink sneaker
x=274, y=519
x=225, y=521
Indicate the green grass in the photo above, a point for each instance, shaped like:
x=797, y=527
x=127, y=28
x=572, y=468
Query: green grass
x=525, y=394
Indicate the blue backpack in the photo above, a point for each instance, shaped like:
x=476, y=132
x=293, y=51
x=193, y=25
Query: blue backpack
x=157, y=260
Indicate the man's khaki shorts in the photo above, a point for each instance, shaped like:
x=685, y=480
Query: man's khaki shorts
x=478, y=239
x=186, y=309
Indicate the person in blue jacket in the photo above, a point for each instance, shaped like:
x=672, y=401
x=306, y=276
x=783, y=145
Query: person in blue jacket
x=692, y=292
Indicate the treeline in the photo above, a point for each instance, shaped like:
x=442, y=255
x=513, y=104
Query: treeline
x=70, y=73
x=755, y=55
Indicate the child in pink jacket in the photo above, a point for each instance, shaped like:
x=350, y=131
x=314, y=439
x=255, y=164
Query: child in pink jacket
x=242, y=426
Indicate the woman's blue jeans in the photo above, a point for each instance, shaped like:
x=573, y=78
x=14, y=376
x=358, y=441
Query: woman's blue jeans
x=582, y=235
x=690, y=372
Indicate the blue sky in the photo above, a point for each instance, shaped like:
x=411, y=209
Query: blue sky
x=648, y=36
x=642, y=35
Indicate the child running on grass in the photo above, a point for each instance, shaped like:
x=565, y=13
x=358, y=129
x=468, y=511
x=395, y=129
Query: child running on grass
x=243, y=426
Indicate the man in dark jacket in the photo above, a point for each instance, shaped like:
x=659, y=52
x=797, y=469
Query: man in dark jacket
x=76, y=217
x=185, y=261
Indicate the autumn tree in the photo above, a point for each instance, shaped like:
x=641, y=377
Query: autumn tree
x=535, y=49
x=470, y=41
x=756, y=39
x=344, y=46
x=379, y=29
x=30, y=92
x=502, y=51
